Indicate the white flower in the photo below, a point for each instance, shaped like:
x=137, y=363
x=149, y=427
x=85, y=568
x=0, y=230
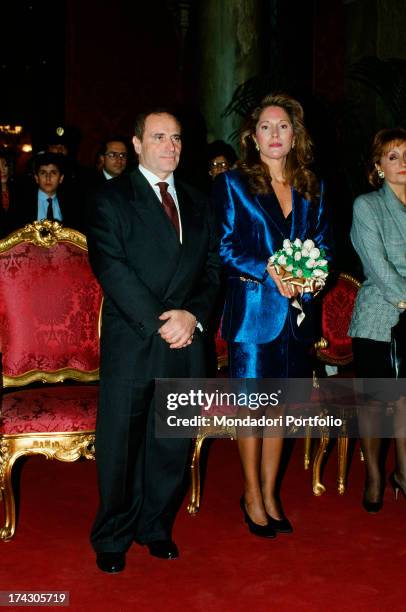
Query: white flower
x=289, y=268
x=311, y=263
x=289, y=250
x=281, y=260
x=297, y=256
x=272, y=259
x=308, y=244
x=314, y=253
x=319, y=273
x=298, y=242
x=305, y=252
x=299, y=272
x=322, y=262
x=287, y=243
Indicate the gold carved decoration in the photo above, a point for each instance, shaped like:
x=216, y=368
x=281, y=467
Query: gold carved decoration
x=210, y=431
x=44, y=234
x=60, y=446
x=56, y=376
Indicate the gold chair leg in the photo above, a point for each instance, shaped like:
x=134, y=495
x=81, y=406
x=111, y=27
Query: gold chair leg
x=7, y=460
x=318, y=487
x=194, y=501
x=342, y=449
x=307, y=448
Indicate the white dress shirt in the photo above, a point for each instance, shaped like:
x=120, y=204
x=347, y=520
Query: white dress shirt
x=153, y=180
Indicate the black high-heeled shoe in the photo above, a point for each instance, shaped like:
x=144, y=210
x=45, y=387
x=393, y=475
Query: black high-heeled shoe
x=372, y=507
x=282, y=525
x=396, y=486
x=263, y=531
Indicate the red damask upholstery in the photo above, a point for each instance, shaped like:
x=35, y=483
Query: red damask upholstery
x=51, y=409
x=49, y=308
x=49, y=321
x=337, y=307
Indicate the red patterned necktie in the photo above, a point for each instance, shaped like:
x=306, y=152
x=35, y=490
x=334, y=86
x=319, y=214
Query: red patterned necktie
x=169, y=205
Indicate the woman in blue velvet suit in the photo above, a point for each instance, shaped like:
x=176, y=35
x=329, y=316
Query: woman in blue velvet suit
x=272, y=195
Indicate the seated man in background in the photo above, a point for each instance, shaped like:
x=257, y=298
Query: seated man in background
x=45, y=199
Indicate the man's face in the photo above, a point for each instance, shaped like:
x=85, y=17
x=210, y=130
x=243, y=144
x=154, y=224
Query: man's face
x=160, y=147
x=218, y=165
x=115, y=158
x=49, y=178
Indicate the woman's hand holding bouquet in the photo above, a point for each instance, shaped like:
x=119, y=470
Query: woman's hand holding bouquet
x=298, y=268
x=299, y=265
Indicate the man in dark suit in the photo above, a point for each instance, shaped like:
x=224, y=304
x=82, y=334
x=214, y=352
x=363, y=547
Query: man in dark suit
x=46, y=198
x=156, y=258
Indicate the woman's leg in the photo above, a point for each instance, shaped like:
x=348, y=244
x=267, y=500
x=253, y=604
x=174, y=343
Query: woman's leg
x=270, y=462
x=250, y=450
x=372, y=361
x=400, y=442
x=369, y=419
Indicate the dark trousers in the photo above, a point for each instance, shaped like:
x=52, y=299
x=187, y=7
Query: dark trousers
x=139, y=474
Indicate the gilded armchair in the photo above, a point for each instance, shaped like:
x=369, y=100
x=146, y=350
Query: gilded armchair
x=334, y=348
x=50, y=306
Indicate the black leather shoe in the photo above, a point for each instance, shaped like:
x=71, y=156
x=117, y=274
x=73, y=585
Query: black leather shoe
x=163, y=549
x=280, y=525
x=263, y=531
x=111, y=562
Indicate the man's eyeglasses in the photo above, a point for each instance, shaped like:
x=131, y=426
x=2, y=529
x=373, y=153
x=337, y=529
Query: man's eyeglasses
x=219, y=164
x=115, y=155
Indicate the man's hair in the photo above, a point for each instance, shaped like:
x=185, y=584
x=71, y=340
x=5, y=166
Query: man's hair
x=219, y=147
x=140, y=119
x=44, y=159
x=105, y=142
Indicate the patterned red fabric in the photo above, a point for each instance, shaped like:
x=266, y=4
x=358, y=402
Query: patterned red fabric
x=49, y=309
x=338, y=304
x=50, y=409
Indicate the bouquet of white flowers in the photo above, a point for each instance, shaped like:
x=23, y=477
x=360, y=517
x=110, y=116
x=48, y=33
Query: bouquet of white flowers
x=301, y=264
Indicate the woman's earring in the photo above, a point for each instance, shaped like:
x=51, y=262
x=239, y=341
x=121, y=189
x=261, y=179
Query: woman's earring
x=381, y=174
x=293, y=144
x=256, y=146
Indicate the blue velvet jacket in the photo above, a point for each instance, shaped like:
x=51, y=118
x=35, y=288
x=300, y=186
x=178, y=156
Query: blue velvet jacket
x=252, y=228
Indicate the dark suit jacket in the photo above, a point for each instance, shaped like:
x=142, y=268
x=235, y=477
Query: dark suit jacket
x=143, y=269
x=25, y=209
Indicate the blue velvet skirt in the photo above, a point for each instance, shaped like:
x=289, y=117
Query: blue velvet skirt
x=284, y=357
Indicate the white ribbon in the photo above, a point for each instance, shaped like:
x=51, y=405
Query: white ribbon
x=301, y=314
